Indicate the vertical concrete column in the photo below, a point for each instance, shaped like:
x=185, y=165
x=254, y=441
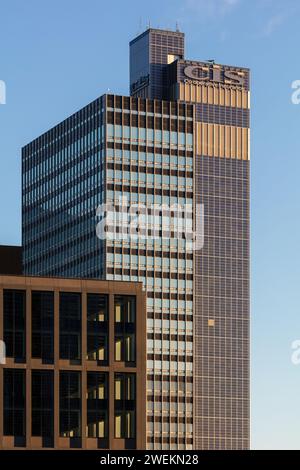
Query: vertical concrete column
x=1, y=369
x=84, y=367
x=111, y=348
x=141, y=369
x=28, y=367
x=56, y=368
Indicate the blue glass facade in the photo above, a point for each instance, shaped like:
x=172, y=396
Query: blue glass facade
x=63, y=182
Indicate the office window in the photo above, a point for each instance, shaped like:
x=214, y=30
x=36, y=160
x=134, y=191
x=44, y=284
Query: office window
x=97, y=405
x=43, y=326
x=70, y=326
x=70, y=404
x=97, y=328
x=125, y=406
x=14, y=323
x=14, y=402
x=125, y=328
x=42, y=383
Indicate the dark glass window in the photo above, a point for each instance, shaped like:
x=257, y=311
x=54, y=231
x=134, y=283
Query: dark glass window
x=97, y=328
x=125, y=326
x=14, y=323
x=70, y=404
x=43, y=326
x=42, y=382
x=70, y=326
x=14, y=402
x=125, y=406
x=97, y=405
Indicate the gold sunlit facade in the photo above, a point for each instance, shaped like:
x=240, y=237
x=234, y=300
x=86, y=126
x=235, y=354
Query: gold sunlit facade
x=221, y=99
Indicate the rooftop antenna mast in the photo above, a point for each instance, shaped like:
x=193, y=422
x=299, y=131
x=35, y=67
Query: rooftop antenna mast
x=177, y=27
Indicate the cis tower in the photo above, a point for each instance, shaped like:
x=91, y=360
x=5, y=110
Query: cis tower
x=181, y=137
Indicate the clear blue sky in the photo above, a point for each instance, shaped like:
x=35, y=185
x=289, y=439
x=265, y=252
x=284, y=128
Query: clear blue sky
x=58, y=55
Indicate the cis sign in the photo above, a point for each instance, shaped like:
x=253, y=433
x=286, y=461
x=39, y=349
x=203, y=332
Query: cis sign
x=191, y=72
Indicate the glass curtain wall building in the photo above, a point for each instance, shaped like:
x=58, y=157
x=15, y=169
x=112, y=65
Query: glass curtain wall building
x=142, y=152
x=182, y=139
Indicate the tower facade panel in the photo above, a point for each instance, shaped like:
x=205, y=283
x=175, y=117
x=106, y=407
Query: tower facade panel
x=221, y=100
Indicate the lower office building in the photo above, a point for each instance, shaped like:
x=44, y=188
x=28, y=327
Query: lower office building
x=75, y=369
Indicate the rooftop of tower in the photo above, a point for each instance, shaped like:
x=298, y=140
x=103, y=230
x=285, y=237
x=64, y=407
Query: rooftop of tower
x=167, y=32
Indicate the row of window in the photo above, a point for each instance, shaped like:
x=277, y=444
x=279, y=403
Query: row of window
x=149, y=135
x=158, y=261
x=158, y=160
x=70, y=404
x=151, y=179
x=121, y=103
x=113, y=196
x=70, y=326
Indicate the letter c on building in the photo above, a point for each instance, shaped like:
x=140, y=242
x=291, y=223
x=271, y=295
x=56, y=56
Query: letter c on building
x=189, y=72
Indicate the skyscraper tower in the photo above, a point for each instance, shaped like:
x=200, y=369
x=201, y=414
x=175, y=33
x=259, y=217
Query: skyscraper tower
x=180, y=139
x=150, y=54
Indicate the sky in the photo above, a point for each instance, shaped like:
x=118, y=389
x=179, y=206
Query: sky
x=57, y=56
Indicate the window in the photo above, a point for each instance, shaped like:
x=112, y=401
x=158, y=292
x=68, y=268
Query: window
x=172, y=58
x=125, y=326
x=70, y=404
x=43, y=326
x=70, y=326
x=97, y=405
x=14, y=402
x=125, y=406
x=97, y=328
x=42, y=403
x=14, y=323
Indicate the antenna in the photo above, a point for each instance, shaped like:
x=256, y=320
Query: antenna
x=177, y=27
